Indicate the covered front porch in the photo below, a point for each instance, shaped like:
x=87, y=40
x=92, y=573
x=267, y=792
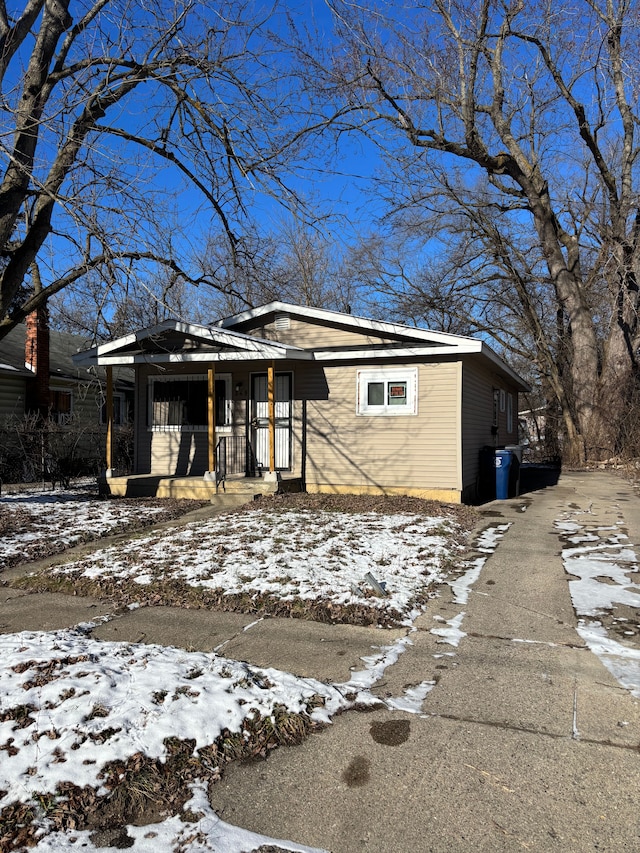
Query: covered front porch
x=212, y=414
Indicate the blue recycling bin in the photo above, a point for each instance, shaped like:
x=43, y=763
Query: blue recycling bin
x=502, y=463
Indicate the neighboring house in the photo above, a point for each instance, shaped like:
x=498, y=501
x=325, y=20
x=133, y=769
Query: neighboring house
x=39, y=377
x=341, y=403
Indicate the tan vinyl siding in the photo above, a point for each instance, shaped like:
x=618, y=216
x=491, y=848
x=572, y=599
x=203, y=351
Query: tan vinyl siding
x=314, y=335
x=478, y=386
x=408, y=452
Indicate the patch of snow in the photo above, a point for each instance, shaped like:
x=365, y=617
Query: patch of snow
x=93, y=702
x=293, y=554
x=601, y=571
x=488, y=539
x=451, y=635
x=621, y=661
x=413, y=697
x=61, y=519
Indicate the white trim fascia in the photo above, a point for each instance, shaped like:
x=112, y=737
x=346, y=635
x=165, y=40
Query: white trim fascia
x=504, y=367
x=470, y=346
x=210, y=335
x=344, y=320
x=187, y=357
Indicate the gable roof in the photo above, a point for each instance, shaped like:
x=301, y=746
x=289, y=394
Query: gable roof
x=346, y=321
x=63, y=346
x=412, y=341
x=176, y=341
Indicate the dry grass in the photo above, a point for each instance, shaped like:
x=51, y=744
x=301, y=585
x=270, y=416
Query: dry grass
x=142, y=790
x=19, y=519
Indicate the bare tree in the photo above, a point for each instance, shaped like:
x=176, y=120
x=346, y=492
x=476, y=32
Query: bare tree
x=520, y=120
x=293, y=262
x=122, y=122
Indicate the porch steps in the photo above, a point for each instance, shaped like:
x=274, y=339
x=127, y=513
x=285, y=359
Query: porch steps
x=235, y=493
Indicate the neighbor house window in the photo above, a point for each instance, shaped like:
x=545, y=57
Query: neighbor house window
x=387, y=392
x=180, y=403
x=60, y=406
x=509, y=412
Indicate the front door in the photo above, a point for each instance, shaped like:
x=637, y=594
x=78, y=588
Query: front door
x=260, y=420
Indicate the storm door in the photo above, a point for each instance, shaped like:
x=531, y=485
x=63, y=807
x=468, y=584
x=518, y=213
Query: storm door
x=260, y=420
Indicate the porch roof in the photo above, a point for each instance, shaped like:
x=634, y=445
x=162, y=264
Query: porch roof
x=174, y=341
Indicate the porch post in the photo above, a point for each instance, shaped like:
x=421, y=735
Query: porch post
x=271, y=396
x=109, y=419
x=211, y=418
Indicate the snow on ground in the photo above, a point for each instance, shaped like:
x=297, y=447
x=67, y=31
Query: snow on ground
x=40, y=523
x=69, y=703
x=206, y=834
x=601, y=561
x=79, y=704
x=294, y=554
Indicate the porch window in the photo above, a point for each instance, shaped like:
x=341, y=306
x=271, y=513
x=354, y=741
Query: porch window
x=180, y=403
x=387, y=392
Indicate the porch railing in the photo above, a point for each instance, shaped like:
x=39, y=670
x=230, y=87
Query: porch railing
x=235, y=455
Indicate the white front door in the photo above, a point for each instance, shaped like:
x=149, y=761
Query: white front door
x=260, y=420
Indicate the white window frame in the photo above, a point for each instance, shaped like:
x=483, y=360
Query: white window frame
x=389, y=376
x=198, y=377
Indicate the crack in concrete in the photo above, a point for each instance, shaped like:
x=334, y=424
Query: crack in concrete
x=511, y=727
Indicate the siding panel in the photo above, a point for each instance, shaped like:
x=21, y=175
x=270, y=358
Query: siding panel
x=314, y=335
x=384, y=452
x=478, y=386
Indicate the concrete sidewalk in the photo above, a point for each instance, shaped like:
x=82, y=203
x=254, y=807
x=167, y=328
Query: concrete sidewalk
x=526, y=742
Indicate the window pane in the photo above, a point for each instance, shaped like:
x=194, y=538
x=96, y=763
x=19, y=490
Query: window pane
x=397, y=394
x=221, y=402
x=375, y=393
x=180, y=402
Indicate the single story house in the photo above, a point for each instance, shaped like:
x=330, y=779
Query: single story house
x=335, y=402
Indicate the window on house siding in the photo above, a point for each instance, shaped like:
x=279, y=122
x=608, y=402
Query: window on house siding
x=61, y=405
x=509, y=412
x=181, y=403
x=387, y=392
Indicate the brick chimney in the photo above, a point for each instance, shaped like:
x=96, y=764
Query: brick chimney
x=36, y=358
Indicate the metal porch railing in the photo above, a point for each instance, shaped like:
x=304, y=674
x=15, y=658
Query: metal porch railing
x=235, y=455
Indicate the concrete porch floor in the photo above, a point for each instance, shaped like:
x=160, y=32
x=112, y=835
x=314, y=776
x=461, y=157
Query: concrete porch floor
x=236, y=489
